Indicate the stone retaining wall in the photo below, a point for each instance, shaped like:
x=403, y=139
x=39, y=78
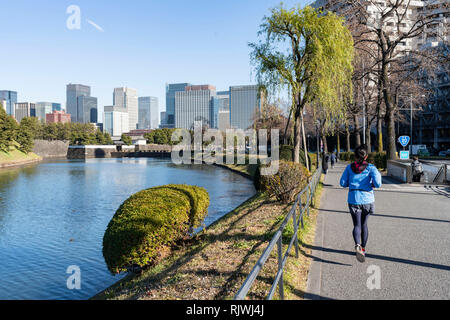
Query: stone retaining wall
x=51, y=149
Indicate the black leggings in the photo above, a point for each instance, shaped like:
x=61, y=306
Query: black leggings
x=360, y=216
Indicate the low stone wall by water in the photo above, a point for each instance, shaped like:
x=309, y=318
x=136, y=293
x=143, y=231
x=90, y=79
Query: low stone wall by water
x=85, y=152
x=51, y=149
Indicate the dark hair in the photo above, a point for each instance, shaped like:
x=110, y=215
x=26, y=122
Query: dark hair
x=361, y=152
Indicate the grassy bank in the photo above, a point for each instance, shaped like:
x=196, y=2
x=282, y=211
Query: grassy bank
x=214, y=264
x=16, y=157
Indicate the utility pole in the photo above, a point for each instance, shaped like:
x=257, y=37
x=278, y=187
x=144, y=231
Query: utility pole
x=411, y=125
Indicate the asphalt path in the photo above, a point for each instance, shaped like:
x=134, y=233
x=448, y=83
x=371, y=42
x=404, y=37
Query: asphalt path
x=408, y=254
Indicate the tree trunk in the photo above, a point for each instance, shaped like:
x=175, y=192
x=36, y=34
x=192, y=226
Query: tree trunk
x=338, y=143
x=347, y=136
x=368, y=138
x=304, y=141
x=380, y=134
x=390, y=105
x=379, y=113
x=392, y=146
x=297, y=139
x=356, y=131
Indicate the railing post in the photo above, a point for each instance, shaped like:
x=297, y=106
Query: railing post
x=294, y=220
x=280, y=267
x=309, y=199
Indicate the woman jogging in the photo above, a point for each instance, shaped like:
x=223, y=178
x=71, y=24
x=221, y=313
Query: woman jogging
x=361, y=177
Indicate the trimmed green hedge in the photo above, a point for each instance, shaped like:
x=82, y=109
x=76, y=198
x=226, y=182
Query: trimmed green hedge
x=150, y=221
x=287, y=151
x=379, y=159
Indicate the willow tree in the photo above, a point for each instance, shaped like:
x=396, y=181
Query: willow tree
x=310, y=54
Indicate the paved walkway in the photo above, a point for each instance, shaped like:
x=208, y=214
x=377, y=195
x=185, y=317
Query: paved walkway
x=408, y=247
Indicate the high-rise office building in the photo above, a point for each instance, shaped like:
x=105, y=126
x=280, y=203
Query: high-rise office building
x=42, y=109
x=224, y=120
x=171, y=90
x=87, y=109
x=196, y=103
x=223, y=117
x=56, y=107
x=24, y=110
x=115, y=122
x=224, y=100
x=127, y=98
x=9, y=99
x=245, y=103
x=80, y=105
x=148, y=113
x=74, y=91
x=163, y=121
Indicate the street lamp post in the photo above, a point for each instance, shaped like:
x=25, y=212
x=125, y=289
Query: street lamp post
x=318, y=142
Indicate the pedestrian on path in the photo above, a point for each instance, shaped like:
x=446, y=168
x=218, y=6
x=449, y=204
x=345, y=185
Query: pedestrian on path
x=417, y=169
x=361, y=177
x=333, y=160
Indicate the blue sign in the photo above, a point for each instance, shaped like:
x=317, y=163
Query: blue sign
x=404, y=140
x=404, y=155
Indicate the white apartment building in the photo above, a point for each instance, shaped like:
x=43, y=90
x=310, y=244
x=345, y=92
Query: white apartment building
x=434, y=33
x=115, y=122
x=127, y=98
x=24, y=110
x=148, y=113
x=432, y=127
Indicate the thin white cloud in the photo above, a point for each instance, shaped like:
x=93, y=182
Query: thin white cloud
x=96, y=26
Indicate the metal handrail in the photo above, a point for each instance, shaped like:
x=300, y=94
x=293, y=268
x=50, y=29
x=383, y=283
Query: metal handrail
x=277, y=240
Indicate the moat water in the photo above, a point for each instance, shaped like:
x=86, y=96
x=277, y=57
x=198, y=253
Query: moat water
x=53, y=215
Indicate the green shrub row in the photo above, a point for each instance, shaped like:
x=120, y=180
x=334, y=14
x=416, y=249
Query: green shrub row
x=149, y=222
x=379, y=159
x=290, y=179
x=287, y=152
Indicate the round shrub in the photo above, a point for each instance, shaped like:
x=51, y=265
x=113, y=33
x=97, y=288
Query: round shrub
x=290, y=180
x=149, y=222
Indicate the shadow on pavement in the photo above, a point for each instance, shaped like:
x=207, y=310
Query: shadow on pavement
x=389, y=216
x=379, y=257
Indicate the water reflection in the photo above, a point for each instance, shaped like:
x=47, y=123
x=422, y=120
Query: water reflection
x=54, y=215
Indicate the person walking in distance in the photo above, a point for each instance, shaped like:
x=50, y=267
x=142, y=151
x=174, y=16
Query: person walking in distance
x=361, y=178
x=417, y=169
x=333, y=160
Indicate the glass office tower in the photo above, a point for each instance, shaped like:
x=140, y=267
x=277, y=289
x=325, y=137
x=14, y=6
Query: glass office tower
x=10, y=99
x=171, y=90
x=148, y=113
x=245, y=102
x=87, y=109
x=72, y=93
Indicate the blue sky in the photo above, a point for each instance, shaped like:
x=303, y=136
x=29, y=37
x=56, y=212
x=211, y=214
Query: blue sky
x=144, y=45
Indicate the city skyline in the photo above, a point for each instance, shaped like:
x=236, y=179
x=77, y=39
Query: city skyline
x=151, y=64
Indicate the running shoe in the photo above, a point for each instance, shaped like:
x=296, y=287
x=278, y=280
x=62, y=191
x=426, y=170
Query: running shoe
x=360, y=253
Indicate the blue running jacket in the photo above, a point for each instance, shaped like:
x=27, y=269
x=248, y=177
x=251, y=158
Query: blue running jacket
x=361, y=184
